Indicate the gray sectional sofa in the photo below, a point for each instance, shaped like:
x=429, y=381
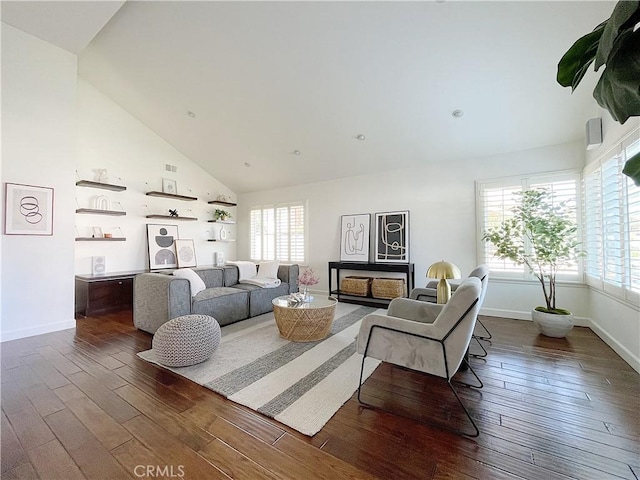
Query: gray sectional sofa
x=159, y=297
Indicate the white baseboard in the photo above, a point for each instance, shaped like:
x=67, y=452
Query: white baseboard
x=6, y=336
x=617, y=347
x=519, y=315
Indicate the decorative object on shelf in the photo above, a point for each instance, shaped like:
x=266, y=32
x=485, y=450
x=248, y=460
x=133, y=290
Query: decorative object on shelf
x=443, y=270
x=186, y=253
x=97, y=232
x=28, y=210
x=223, y=198
x=98, y=265
x=551, y=233
x=102, y=202
x=218, y=259
x=307, y=279
x=174, y=212
x=219, y=214
x=354, y=238
x=169, y=186
x=392, y=237
x=223, y=233
x=100, y=175
x=161, y=244
x=108, y=235
x=356, y=285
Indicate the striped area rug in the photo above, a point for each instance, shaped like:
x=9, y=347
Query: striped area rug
x=301, y=385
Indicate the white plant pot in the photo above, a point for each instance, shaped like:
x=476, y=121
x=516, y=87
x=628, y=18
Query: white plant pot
x=551, y=324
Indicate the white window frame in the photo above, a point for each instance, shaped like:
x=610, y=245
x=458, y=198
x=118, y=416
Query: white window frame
x=264, y=255
x=525, y=182
x=621, y=291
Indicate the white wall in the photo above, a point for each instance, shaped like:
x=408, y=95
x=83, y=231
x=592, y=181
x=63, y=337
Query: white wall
x=109, y=137
x=38, y=148
x=441, y=201
x=617, y=323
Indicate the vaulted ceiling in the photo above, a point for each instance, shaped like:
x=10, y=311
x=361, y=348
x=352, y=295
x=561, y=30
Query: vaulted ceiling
x=287, y=87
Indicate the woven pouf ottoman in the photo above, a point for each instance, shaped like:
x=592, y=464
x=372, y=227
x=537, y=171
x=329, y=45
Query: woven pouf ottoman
x=186, y=340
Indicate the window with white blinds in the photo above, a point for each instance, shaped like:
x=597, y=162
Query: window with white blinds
x=612, y=223
x=495, y=202
x=278, y=233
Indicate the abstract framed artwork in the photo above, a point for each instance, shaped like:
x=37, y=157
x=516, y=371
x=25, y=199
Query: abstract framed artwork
x=186, y=253
x=169, y=186
x=161, y=243
x=354, y=237
x=392, y=237
x=28, y=210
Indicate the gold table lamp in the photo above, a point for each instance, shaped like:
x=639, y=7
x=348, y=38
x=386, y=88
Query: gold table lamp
x=443, y=270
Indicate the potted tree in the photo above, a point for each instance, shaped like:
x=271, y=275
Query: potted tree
x=551, y=234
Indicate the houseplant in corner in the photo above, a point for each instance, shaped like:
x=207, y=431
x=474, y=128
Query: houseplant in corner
x=551, y=235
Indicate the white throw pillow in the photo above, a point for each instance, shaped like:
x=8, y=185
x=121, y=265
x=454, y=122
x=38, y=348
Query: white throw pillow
x=268, y=269
x=197, y=284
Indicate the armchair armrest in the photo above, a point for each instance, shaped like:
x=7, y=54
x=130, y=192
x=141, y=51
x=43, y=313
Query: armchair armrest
x=157, y=298
x=423, y=294
x=415, y=310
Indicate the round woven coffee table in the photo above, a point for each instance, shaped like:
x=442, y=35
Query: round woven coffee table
x=304, y=321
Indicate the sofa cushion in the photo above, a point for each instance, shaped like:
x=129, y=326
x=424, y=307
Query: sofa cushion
x=213, y=277
x=225, y=304
x=260, y=298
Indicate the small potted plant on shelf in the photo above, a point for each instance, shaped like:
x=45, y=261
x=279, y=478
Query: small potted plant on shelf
x=551, y=234
x=219, y=214
x=307, y=279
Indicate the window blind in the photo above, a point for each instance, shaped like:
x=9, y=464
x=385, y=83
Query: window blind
x=278, y=233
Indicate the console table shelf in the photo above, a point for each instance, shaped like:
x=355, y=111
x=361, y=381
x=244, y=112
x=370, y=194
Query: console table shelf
x=95, y=211
x=172, y=195
x=405, y=268
x=169, y=217
x=100, y=239
x=104, y=186
x=220, y=202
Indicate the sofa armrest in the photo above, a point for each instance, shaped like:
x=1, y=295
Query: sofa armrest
x=157, y=298
x=289, y=274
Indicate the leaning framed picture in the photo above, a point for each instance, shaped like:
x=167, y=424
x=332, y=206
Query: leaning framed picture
x=28, y=210
x=392, y=237
x=169, y=186
x=161, y=241
x=354, y=237
x=186, y=253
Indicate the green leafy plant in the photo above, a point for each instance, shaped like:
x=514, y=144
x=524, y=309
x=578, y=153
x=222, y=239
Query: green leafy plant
x=220, y=214
x=614, y=43
x=551, y=235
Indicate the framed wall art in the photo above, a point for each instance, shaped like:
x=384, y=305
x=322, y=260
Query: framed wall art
x=186, y=253
x=28, y=210
x=354, y=237
x=392, y=237
x=169, y=186
x=161, y=242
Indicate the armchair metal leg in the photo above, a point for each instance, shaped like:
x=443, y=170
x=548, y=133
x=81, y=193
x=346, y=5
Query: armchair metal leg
x=488, y=336
x=460, y=432
x=480, y=384
x=479, y=355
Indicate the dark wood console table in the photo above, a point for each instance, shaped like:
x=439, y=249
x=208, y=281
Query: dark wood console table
x=99, y=294
x=405, y=268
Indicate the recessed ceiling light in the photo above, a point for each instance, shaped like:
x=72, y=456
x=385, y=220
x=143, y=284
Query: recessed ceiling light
x=247, y=164
x=457, y=113
x=360, y=137
x=191, y=114
x=297, y=152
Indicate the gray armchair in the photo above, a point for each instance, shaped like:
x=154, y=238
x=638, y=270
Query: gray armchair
x=427, y=337
x=428, y=294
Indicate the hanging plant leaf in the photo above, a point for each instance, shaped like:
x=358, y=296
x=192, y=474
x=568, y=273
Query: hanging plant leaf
x=618, y=89
x=620, y=20
x=574, y=64
x=632, y=169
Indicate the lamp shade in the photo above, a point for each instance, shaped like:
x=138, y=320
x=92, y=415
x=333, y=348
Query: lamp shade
x=443, y=270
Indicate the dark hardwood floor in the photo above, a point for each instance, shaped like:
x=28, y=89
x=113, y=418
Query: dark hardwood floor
x=80, y=404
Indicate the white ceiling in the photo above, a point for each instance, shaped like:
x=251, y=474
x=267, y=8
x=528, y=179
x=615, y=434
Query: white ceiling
x=268, y=78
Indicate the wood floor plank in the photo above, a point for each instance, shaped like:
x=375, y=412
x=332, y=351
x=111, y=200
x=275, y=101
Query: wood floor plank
x=87, y=452
x=29, y=427
x=173, y=453
x=97, y=371
x=44, y=400
x=120, y=410
x=12, y=454
x=52, y=462
x=21, y=472
x=136, y=458
x=233, y=463
x=56, y=359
